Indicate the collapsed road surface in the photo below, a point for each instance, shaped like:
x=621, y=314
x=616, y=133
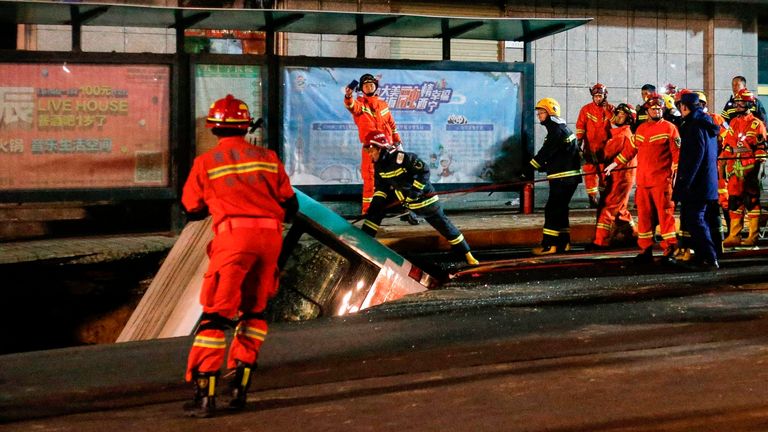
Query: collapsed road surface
x=581, y=343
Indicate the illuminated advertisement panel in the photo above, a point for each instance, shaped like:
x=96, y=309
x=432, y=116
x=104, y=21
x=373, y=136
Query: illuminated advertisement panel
x=458, y=122
x=213, y=82
x=83, y=126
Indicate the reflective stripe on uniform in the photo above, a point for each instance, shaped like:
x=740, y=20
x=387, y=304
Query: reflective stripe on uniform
x=241, y=168
x=645, y=235
x=563, y=174
x=457, y=240
x=209, y=342
x=551, y=232
x=252, y=332
x=422, y=204
x=390, y=174
x=371, y=225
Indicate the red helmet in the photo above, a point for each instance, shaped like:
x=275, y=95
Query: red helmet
x=671, y=89
x=744, y=95
x=598, y=89
x=378, y=139
x=654, y=99
x=228, y=113
x=680, y=94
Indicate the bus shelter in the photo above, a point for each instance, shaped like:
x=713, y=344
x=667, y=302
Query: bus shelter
x=124, y=127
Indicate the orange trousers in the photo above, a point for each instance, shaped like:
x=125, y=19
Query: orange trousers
x=242, y=276
x=594, y=181
x=367, y=174
x=654, y=204
x=613, y=205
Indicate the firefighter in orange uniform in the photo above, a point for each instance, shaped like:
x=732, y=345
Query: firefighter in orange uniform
x=370, y=114
x=593, y=130
x=742, y=156
x=248, y=194
x=657, y=146
x=618, y=185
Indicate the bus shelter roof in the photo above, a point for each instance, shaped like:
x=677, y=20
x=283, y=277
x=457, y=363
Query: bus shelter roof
x=283, y=20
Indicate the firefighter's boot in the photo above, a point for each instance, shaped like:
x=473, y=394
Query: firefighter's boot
x=753, y=225
x=549, y=250
x=204, y=403
x=644, y=257
x=734, y=238
x=683, y=254
x=239, y=385
x=470, y=259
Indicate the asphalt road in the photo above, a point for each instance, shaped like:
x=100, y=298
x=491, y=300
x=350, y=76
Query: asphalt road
x=583, y=344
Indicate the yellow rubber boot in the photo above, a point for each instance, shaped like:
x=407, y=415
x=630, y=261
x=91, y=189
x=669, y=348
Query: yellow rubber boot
x=683, y=254
x=734, y=238
x=470, y=259
x=753, y=225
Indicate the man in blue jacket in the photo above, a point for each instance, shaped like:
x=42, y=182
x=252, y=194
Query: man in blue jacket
x=696, y=184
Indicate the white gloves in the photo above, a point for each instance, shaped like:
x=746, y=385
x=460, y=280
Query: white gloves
x=610, y=168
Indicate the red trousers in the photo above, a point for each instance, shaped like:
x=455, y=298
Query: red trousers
x=242, y=276
x=654, y=204
x=593, y=178
x=367, y=174
x=613, y=206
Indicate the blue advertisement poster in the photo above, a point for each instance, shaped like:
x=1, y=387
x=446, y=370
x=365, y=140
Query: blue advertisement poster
x=456, y=121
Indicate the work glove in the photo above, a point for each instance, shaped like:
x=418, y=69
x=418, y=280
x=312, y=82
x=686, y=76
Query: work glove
x=610, y=168
x=413, y=195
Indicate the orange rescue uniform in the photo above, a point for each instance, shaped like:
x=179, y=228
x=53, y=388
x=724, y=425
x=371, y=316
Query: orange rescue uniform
x=657, y=146
x=243, y=187
x=618, y=185
x=371, y=114
x=743, y=151
x=593, y=128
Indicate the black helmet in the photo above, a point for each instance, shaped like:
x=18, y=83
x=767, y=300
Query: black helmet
x=629, y=110
x=368, y=78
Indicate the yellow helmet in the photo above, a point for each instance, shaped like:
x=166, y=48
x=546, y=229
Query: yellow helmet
x=669, y=101
x=550, y=106
x=702, y=97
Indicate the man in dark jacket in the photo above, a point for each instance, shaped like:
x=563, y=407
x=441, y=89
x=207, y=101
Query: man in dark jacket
x=696, y=184
x=729, y=110
x=403, y=177
x=559, y=158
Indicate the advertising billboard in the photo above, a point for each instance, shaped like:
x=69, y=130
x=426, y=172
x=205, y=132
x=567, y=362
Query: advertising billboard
x=458, y=122
x=215, y=81
x=83, y=126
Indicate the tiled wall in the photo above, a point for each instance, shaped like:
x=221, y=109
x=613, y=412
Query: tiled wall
x=625, y=47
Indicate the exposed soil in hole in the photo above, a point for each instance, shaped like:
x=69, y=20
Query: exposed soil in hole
x=53, y=305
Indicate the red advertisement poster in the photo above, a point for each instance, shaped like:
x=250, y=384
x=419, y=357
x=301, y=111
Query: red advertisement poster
x=83, y=126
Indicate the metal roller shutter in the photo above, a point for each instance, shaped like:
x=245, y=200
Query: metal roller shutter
x=461, y=49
